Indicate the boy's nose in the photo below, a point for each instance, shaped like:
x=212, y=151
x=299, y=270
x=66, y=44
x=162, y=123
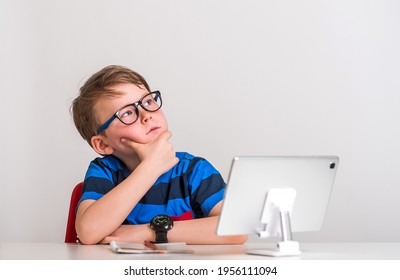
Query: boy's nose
x=144, y=115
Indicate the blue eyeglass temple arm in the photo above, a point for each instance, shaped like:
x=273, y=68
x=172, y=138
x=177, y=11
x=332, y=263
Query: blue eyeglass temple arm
x=106, y=124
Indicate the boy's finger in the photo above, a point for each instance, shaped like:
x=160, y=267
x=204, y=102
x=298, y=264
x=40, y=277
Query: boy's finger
x=127, y=141
x=132, y=144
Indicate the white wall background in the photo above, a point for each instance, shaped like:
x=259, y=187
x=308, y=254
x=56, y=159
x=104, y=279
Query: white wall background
x=238, y=77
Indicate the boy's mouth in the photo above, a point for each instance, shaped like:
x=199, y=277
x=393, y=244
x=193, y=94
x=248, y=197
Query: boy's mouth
x=153, y=129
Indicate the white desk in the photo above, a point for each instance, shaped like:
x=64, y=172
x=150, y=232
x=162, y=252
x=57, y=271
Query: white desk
x=311, y=251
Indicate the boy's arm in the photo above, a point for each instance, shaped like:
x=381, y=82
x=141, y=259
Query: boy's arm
x=196, y=231
x=100, y=218
x=203, y=231
x=96, y=219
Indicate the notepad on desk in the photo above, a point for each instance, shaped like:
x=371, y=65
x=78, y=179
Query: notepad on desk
x=150, y=248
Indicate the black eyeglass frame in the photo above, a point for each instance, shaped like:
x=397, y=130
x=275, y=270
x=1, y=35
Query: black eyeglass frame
x=136, y=105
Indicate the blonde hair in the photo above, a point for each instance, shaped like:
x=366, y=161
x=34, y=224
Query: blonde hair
x=95, y=88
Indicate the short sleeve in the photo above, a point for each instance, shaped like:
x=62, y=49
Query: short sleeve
x=206, y=186
x=103, y=175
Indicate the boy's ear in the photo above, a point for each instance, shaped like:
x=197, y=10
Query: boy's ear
x=100, y=146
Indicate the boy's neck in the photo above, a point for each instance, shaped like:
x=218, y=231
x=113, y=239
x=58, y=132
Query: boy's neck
x=131, y=162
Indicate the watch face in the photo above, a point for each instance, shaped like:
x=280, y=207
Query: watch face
x=161, y=222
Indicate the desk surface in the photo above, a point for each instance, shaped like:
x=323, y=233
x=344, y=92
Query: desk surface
x=310, y=251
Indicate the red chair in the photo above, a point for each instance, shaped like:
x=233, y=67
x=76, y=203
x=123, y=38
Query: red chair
x=70, y=234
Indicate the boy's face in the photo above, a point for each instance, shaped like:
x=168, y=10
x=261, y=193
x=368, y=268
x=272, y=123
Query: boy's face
x=147, y=128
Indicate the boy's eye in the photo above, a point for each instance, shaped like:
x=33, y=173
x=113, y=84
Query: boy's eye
x=127, y=112
x=148, y=102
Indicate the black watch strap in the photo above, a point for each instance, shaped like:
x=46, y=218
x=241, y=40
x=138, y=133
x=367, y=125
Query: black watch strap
x=161, y=237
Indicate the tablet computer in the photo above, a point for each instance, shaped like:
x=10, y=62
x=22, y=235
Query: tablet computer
x=251, y=178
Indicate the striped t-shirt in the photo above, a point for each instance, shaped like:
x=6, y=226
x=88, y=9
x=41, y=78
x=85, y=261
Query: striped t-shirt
x=189, y=190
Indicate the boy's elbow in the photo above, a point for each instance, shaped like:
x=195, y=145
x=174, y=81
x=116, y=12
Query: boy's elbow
x=87, y=240
x=86, y=236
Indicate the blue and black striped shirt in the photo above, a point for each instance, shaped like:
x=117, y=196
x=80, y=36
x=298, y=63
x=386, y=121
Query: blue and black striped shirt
x=189, y=190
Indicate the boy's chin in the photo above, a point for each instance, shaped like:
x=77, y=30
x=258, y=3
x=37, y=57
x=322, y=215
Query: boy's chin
x=147, y=140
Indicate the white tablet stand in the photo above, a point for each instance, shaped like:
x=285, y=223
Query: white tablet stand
x=276, y=222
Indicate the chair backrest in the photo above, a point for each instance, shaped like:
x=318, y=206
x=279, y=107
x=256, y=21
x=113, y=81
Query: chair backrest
x=70, y=234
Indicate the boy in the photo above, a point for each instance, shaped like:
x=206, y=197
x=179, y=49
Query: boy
x=140, y=175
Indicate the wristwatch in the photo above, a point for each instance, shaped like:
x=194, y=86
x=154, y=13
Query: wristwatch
x=161, y=224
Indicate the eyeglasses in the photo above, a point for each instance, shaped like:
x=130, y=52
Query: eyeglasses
x=129, y=114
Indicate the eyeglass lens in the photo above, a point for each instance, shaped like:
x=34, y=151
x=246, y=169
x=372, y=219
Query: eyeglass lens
x=130, y=113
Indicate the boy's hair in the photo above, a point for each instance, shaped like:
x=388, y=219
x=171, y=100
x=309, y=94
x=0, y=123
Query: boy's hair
x=95, y=88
